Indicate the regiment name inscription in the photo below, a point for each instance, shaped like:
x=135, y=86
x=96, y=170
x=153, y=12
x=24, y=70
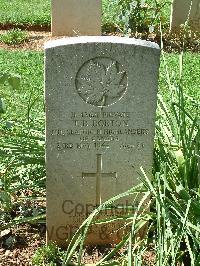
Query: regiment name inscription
x=99, y=132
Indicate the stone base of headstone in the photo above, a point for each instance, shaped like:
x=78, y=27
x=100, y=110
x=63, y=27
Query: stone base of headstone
x=102, y=230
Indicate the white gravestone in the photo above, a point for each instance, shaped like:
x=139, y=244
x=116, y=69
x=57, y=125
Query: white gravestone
x=100, y=120
x=76, y=17
x=183, y=10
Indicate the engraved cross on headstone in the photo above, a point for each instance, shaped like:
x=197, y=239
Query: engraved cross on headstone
x=99, y=175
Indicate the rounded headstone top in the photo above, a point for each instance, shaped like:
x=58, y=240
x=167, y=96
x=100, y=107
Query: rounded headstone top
x=99, y=39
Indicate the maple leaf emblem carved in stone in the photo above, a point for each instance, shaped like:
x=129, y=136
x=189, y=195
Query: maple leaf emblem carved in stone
x=101, y=82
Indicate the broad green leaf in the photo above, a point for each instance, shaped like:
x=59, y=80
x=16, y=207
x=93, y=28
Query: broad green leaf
x=14, y=81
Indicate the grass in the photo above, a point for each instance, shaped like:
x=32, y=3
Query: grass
x=18, y=12
x=190, y=78
x=22, y=135
x=13, y=37
x=29, y=66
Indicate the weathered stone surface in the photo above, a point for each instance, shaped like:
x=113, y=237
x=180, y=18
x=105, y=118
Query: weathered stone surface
x=183, y=10
x=76, y=17
x=100, y=121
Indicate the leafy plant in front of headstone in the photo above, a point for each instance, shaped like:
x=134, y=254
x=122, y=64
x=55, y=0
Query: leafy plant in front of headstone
x=110, y=16
x=142, y=15
x=47, y=255
x=13, y=37
x=135, y=16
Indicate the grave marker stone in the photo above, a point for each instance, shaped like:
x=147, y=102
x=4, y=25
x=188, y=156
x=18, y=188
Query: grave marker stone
x=100, y=120
x=184, y=9
x=76, y=17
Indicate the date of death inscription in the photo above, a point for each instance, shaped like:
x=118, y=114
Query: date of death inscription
x=101, y=130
